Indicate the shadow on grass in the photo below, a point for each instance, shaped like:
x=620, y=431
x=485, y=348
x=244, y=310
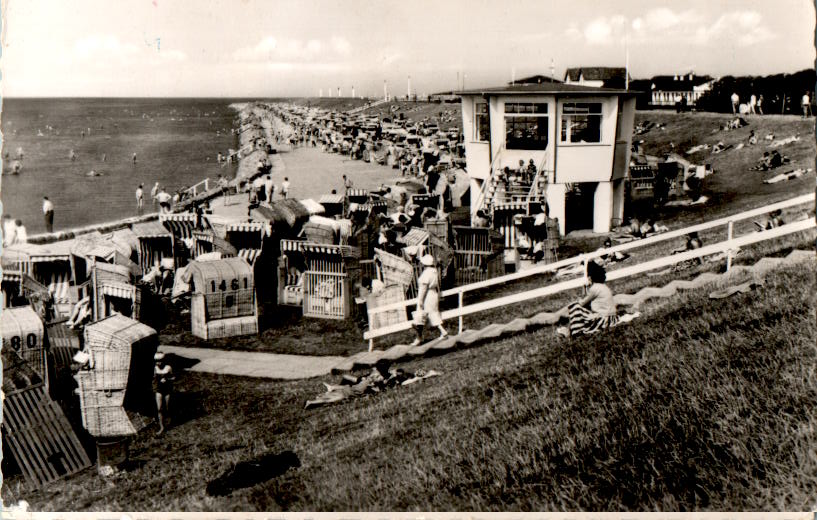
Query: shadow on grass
x=186, y=406
x=249, y=473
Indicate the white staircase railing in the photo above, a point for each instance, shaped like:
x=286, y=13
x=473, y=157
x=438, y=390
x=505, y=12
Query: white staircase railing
x=535, y=194
x=483, y=194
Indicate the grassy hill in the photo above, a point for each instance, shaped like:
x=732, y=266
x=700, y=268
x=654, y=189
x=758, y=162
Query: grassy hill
x=734, y=187
x=700, y=405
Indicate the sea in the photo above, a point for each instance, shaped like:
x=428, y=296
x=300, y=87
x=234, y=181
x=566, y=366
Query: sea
x=176, y=142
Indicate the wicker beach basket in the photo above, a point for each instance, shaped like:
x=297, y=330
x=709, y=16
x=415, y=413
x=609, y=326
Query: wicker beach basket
x=111, y=273
x=102, y=412
x=119, y=346
x=438, y=228
x=23, y=332
x=391, y=294
x=393, y=269
x=223, y=289
x=319, y=233
x=91, y=396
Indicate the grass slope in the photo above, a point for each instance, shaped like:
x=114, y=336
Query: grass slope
x=734, y=187
x=701, y=405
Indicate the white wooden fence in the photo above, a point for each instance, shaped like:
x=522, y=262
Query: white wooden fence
x=726, y=246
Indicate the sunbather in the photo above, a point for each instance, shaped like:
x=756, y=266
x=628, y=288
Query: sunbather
x=793, y=174
x=609, y=258
x=380, y=378
x=594, y=312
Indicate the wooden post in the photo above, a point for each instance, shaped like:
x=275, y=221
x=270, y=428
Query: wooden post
x=95, y=289
x=207, y=184
x=584, y=260
x=459, y=307
x=729, y=233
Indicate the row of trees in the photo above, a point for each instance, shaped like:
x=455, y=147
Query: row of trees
x=781, y=93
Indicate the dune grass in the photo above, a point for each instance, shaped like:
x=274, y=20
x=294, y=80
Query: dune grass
x=700, y=405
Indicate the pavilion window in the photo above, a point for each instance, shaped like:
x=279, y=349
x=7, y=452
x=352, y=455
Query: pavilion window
x=581, y=123
x=526, y=126
x=482, y=132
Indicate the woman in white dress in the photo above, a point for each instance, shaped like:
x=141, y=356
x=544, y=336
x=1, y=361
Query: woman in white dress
x=428, y=300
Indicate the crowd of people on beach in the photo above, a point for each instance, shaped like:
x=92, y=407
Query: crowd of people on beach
x=415, y=148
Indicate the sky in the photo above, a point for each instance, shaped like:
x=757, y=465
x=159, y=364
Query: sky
x=254, y=48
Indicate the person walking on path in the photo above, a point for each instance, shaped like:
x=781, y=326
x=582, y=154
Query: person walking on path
x=162, y=388
x=806, y=103
x=753, y=104
x=133, y=157
x=285, y=187
x=428, y=301
x=760, y=105
x=48, y=214
x=347, y=184
x=735, y=102
x=140, y=199
x=269, y=188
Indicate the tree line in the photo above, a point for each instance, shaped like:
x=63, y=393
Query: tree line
x=782, y=93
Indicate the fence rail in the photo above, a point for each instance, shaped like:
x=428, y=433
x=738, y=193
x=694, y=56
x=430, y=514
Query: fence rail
x=194, y=189
x=722, y=247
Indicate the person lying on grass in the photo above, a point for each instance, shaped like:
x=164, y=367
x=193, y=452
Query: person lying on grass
x=609, y=258
x=380, y=378
x=594, y=312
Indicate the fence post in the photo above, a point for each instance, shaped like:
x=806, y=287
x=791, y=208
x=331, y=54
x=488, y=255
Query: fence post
x=207, y=184
x=729, y=233
x=371, y=344
x=460, y=310
x=584, y=259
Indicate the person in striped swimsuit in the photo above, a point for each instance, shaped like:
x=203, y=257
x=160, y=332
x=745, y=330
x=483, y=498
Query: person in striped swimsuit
x=601, y=313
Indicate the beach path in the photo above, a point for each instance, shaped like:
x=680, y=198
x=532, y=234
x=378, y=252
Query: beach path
x=313, y=173
x=253, y=364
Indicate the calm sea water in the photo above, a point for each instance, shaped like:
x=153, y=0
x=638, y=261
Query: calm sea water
x=175, y=141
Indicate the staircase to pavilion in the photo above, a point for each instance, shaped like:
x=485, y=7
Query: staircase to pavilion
x=498, y=192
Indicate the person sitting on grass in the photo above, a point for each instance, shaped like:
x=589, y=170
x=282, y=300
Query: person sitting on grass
x=601, y=313
x=774, y=221
x=693, y=242
x=162, y=388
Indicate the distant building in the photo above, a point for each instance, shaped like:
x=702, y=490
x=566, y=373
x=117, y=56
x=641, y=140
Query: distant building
x=578, y=135
x=668, y=90
x=444, y=97
x=608, y=77
x=534, y=80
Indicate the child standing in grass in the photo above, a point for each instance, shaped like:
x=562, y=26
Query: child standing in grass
x=162, y=387
x=601, y=313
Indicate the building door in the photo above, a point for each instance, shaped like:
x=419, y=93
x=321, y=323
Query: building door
x=579, y=206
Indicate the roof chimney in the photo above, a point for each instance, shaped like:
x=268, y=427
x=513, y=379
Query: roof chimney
x=690, y=76
x=675, y=77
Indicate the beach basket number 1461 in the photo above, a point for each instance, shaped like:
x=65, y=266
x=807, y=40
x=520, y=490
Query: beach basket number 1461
x=229, y=300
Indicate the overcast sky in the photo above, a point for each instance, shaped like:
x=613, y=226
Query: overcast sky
x=276, y=48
